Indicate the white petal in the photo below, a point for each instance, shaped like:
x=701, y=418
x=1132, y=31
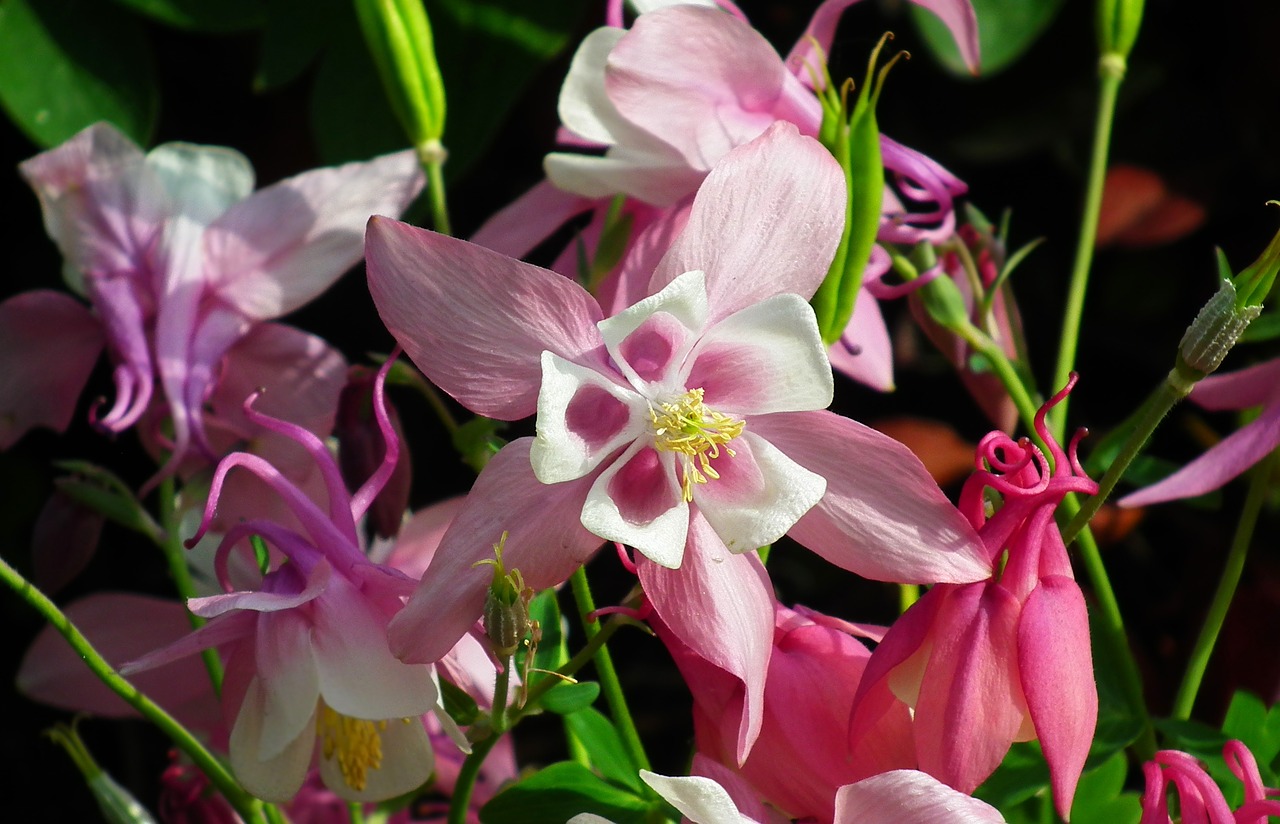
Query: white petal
x=202, y=180
x=585, y=108
x=768, y=357
x=648, y=171
x=760, y=494
x=699, y=799
x=684, y=298
x=656, y=519
x=272, y=779
x=582, y=418
x=407, y=760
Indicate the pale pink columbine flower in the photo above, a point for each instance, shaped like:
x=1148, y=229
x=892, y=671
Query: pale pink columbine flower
x=308, y=671
x=667, y=100
x=1257, y=385
x=897, y=797
x=181, y=261
x=1199, y=797
x=688, y=425
x=978, y=666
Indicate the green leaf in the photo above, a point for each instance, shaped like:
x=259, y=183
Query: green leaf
x=488, y=51
x=461, y=707
x=1022, y=775
x=568, y=698
x=202, y=15
x=94, y=63
x=1099, y=798
x=558, y=793
x=99, y=490
x=1193, y=737
x=295, y=33
x=1249, y=721
x=604, y=747
x=1119, y=721
x=477, y=441
x=1006, y=29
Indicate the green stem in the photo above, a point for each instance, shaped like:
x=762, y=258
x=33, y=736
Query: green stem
x=1111, y=75
x=609, y=683
x=1258, y=483
x=249, y=808
x=432, y=156
x=470, y=770
x=175, y=555
x=577, y=662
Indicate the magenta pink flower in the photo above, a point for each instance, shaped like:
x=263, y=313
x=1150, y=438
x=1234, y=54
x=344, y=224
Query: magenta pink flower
x=688, y=425
x=982, y=665
x=1257, y=385
x=180, y=260
x=1199, y=798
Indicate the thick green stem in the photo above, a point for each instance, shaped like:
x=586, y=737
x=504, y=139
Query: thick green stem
x=432, y=157
x=176, y=556
x=1259, y=480
x=609, y=683
x=249, y=808
x=470, y=770
x=1111, y=69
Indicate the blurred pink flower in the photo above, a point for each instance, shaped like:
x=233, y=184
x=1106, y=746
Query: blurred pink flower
x=985, y=664
x=1199, y=797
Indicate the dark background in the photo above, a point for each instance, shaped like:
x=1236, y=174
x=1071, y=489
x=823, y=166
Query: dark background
x=1199, y=108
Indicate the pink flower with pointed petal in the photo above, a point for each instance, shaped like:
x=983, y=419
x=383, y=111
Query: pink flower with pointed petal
x=181, y=260
x=985, y=664
x=1199, y=797
x=637, y=414
x=1257, y=385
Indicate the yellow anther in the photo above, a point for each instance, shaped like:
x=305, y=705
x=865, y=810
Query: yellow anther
x=355, y=742
x=688, y=427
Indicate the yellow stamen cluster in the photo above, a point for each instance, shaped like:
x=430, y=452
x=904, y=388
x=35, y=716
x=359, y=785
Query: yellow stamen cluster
x=356, y=742
x=688, y=427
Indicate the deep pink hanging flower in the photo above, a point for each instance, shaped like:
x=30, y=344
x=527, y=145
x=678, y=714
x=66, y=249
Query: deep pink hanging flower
x=688, y=425
x=1199, y=797
x=979, y=666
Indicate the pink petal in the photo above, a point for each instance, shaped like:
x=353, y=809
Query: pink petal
x=658, y=331
x=637, y=501
x=545, y=541
x=1056, y=664
x=652, y=238
x=49, y=343
x=516, y=229
x=1252, y=386
x=909, y=797
x=719, y=604
x=287, y=675
x=283, y=245
x=63, y=542
x=959, y=17
x=883, y=517
x=1223, y=462
x=766, y=221
x=474, y=321
x=418, y=540
x=865, y=352
x=583, y=416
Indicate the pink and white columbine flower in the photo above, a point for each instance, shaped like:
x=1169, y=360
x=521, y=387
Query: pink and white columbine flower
x=181, y=261
x=688, y=424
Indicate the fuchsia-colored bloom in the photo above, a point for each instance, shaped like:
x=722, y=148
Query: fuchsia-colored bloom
x=308, y=667
x=644, y=94
x=982, y=665
x=1199, y=797
x=181, y=261
x=1257, y=385
x=688, y=425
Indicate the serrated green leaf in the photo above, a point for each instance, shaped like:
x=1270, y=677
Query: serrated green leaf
x=570, y=698
x=203, y=15
x=295, y=33
x=558, y=793
x=95, y=63
x=1006, y=29
x=604, y=747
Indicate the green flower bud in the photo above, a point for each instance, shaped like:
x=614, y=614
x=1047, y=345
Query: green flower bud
x=1217, y=328
x=398, y=34
x=506, y=607
x=1118, y=24
x=117, y=804
x=1254, y=283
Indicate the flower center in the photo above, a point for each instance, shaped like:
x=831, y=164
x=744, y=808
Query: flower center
x=688, y=427
x=354, y=742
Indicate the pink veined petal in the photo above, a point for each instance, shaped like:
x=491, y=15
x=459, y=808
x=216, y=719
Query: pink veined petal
x=760, y=494
x=765, y=358
x=766, y=221
x=288, y=678
x=418, y=540
x=701, y=80
x=588, y=112
x=630, y=282
x=211, y=606
x=699, y=799
x=1056, y=667
x=474, y=321
x=720, y=605
x=583, y=417
x=49, y=343
x=516, y=229
x=670, y=319
x=283, y=245
x=909, y=797
x=971, y=707
x=225, y=630
x=120, y=304
x=882, y=517
x=1223, y=462
x=637, y=500
x=1252, y=386
x=865, y=352
x=545, y=541
x=269, y=778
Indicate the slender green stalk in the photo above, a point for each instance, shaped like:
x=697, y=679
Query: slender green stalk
x=577, y=662
x=1259, y=479
x=432, y=157
x=176, y=556
x=470, y=770
x=1111, y=69
x=609, y=683
x=249, y=808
